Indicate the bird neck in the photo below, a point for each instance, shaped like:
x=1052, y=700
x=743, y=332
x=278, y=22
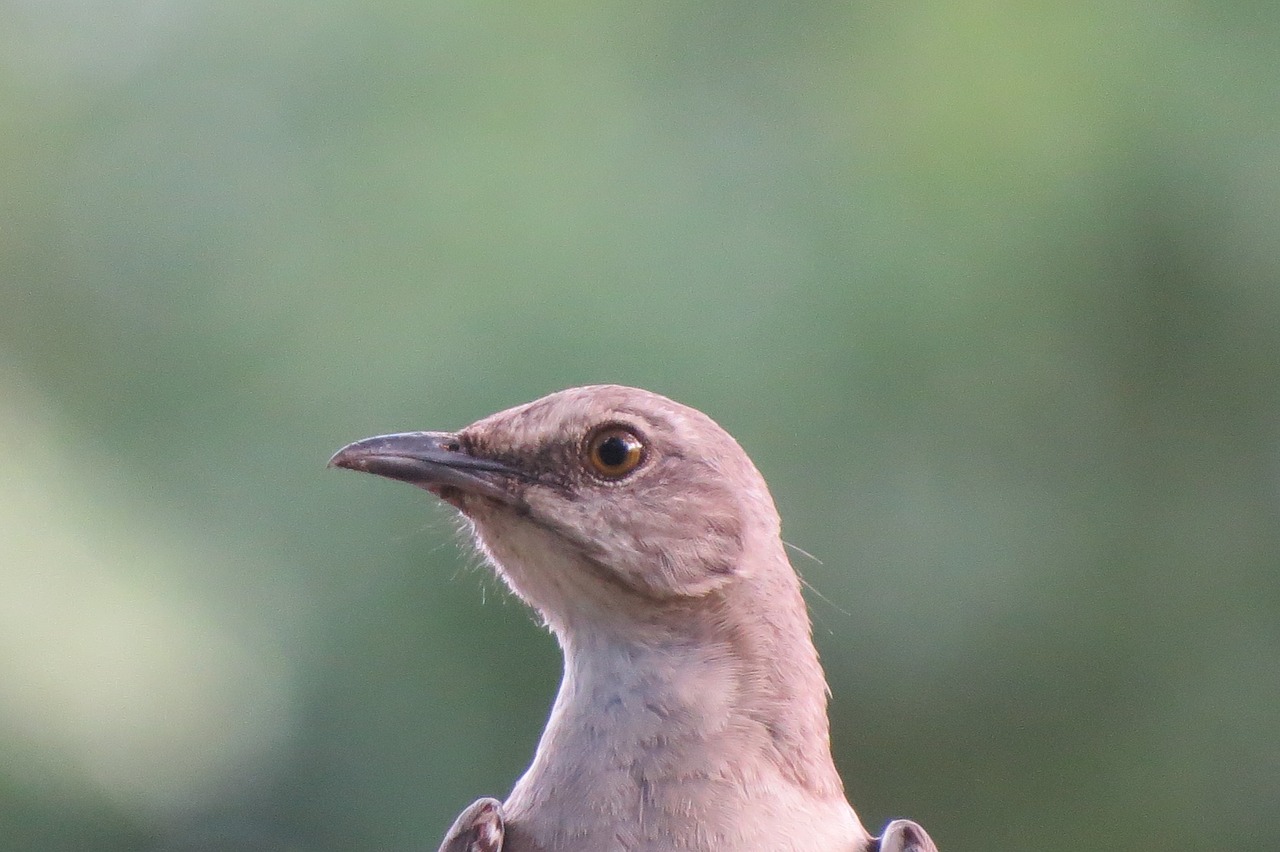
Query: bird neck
x=722, y=688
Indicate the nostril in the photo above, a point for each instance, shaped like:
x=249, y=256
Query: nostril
x=452, y=446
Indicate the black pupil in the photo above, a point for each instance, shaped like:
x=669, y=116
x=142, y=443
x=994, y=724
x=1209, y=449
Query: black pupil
x=613, y=451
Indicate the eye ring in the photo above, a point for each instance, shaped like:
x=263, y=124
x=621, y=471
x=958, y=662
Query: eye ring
x=614, y=451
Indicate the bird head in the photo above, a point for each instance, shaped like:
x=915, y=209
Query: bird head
x=601, y=502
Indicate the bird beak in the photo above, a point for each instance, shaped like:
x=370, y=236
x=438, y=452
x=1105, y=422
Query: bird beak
x=431, y=460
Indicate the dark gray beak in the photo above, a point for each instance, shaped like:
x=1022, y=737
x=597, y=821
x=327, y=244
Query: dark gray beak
x=431, y=460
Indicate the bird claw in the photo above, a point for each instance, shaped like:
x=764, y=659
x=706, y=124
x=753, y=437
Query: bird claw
x=903, y=835
x=479, y=828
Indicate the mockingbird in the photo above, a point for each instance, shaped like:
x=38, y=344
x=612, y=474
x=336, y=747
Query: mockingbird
x=693, y=712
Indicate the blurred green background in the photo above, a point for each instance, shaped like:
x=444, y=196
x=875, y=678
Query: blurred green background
x=991, y=293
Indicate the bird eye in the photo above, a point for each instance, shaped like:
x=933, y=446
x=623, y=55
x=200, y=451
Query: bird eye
x=613, y=452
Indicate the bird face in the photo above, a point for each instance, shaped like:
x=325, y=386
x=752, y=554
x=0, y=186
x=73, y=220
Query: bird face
x=597, y=486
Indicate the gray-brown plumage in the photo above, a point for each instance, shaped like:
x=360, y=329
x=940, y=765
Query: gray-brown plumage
x=692, y=713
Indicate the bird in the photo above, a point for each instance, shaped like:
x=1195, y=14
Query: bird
x=692, y=710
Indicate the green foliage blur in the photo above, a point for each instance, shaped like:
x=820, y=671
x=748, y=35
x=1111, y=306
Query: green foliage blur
x=991, y=293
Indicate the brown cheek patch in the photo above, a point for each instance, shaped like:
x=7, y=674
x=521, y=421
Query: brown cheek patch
x=728, y=530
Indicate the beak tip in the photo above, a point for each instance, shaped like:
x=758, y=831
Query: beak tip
x=343, y=458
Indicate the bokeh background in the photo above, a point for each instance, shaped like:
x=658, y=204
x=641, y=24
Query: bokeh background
x=990, y=291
